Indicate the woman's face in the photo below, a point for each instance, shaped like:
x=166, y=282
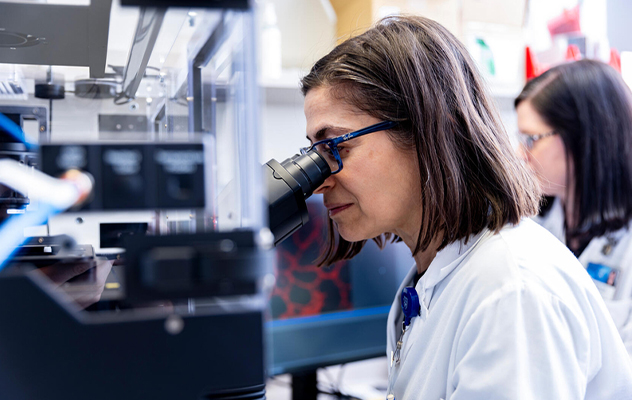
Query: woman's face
x=378, y=188
x=547, y=158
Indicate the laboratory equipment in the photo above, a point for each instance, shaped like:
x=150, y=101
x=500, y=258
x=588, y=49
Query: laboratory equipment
x=182, y=313
x=289, y=184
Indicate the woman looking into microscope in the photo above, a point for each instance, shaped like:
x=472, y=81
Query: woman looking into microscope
x=495, y=307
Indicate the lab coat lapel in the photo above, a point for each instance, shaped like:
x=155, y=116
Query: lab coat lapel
x=446, y=261
x=443, y=264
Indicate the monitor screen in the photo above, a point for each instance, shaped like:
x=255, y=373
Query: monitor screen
x=331, y=315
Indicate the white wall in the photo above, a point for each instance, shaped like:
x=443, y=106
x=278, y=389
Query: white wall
x=283, y=124
x=308, y=31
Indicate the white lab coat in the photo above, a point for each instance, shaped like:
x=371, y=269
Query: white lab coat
x=513, y=316
x=618, y=298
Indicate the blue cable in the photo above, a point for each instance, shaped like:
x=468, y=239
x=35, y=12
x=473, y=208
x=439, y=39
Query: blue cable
x=14, y=130
x=12, y=231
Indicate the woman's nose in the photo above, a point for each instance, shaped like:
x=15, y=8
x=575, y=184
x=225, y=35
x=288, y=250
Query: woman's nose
x=327, y=185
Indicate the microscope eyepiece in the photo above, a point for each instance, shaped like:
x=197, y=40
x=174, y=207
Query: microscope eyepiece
x=310, y=170
x=289, y=184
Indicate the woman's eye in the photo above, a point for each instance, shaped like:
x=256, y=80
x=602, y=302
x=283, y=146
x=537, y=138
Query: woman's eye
x=343, y=151
x=325, y=150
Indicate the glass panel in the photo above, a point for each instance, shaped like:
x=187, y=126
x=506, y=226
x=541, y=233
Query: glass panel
x=230, y=119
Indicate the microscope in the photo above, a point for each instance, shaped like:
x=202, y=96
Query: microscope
x=182, y=208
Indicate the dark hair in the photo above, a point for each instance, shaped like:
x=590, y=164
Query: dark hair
x=589, y=105
x=412, y=70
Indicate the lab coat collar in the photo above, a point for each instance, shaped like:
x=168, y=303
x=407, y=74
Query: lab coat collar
x=443, y=264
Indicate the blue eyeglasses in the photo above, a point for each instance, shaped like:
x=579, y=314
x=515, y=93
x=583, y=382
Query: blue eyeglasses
x=328, y=148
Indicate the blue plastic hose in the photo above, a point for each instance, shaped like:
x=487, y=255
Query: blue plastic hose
x=14, y=130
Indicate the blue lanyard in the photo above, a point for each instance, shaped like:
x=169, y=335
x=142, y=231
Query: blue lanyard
x=411, y=308
x=410, y=304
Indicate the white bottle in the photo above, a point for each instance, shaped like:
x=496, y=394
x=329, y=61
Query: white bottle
x=270, y=44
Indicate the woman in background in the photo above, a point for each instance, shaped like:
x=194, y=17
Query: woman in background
x=576, y=124
x=495, y=307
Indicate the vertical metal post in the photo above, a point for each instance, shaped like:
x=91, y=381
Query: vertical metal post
x=248, y=136
x=195, y=97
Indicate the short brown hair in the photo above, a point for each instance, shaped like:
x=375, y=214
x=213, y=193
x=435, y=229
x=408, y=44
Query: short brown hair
x=412, y=70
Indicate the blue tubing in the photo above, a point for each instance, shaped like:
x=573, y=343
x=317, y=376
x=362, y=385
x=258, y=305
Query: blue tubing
x=14, y=130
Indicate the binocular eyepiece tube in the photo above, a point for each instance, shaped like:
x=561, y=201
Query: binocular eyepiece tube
x=289, y=184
